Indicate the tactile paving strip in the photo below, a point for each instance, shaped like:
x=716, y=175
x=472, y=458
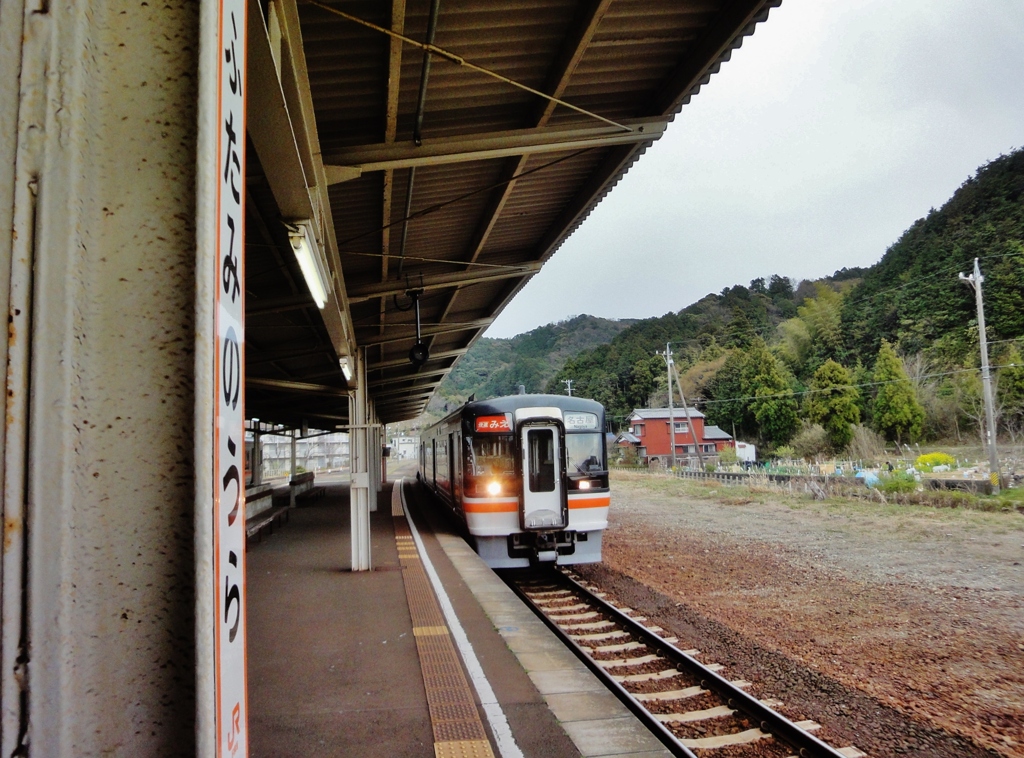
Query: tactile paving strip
x=458, y=730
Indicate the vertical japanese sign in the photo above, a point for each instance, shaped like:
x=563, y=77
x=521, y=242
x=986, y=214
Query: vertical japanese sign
x=229, y=428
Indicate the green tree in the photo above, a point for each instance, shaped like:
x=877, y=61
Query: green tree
x=772, y=402
x=726, y=391
x=833, y=403
x=823, y=316
x=1011, y=392
x=643, y=379
x=896, y=412
x=794, y=343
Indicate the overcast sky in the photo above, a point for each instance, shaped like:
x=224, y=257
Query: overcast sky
x=834, y=127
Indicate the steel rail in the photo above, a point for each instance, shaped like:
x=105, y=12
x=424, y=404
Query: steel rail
x=657, y=728
x=769, y=720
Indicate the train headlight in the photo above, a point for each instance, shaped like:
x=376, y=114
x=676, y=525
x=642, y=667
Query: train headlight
x=585, y=485
x=493, y=488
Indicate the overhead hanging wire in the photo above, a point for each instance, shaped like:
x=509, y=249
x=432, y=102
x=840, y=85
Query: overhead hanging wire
x=439, y=206
x=459, y=60
x=837, y=387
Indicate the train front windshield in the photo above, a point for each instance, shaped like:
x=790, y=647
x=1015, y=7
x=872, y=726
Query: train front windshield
x=584, y=453
x=491, y=455
x=490, y=465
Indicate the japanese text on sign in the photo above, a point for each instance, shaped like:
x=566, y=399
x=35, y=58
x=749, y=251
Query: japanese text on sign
x=580, y=421
x=229, y=435
x=492, y=424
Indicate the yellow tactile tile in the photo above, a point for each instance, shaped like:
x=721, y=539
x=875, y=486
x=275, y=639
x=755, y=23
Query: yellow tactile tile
x=463, y=749
x=428, y=631
x=458, y=730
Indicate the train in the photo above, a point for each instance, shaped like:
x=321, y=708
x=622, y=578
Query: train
x=526, y=475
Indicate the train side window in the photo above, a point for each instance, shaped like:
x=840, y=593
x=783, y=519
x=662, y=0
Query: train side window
x=541, y=443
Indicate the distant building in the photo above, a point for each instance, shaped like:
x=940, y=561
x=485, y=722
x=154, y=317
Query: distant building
x=650, y=434
x=746, y=452
x=404, y=446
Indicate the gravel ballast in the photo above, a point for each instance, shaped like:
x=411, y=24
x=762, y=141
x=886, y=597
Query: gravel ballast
x=901, y=629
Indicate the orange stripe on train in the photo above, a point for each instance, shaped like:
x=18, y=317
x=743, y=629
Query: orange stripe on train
x=589, y=502
x=490, y=506
x=511, y=506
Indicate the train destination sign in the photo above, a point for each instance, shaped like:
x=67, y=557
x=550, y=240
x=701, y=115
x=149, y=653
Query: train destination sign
x=492, y=424
x=576, y=422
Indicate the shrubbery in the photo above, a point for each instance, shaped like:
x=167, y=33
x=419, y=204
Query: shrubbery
x=811, y=442
x=928, y=461
x=898, y=483
x=727, y=455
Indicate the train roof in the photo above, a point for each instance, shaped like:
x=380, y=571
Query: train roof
x=511, y=403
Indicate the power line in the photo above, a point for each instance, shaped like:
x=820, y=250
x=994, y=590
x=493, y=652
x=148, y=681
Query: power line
x=753, y=332
x=834, y=387
x=439, y=206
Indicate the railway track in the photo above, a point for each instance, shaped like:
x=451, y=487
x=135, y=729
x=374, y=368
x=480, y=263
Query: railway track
x=689, y=705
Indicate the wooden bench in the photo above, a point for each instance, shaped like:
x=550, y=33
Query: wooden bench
x=315, y=493
x=260, y=511
x=266, y=521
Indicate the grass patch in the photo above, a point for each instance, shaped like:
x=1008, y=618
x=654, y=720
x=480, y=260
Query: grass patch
x=909, y=509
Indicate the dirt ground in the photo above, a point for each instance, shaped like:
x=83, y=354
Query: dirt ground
x=919, y=610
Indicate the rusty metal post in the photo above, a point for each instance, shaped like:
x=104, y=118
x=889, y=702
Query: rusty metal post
x=98, y=260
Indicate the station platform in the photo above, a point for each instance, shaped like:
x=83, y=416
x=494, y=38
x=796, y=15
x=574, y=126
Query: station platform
x=383, y=663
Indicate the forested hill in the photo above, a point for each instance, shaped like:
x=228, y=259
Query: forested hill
x=494, y=367
x=913, y=298
x=782, y=334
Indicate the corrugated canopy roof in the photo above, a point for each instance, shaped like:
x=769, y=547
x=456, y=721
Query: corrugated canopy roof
x=530, y=113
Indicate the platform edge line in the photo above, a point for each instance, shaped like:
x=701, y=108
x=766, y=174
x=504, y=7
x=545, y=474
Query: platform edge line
x=500, y=728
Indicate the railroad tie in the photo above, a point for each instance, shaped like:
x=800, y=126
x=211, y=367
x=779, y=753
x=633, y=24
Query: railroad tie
x=600, y=636
x=719, y=711
x=458, y=730
x=639, y=660
x=740, y=738
x=646, y=697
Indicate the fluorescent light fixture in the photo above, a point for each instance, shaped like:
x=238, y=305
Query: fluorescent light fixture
x=307, y=252
x=346, y=368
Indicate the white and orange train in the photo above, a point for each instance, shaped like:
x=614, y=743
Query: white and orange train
x=526, y=474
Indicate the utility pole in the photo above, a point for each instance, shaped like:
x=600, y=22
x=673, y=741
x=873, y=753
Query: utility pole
x=689, y=421
x=975, y=281
x=568, y=385
x=667, y=355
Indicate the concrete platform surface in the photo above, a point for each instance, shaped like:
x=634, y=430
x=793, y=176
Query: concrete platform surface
x=333, y=664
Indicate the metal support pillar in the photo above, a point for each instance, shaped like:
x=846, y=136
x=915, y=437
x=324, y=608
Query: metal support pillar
x=293, y=472
x=257, y=457
x=98, y=263
x=359, y=493
x=378, y=461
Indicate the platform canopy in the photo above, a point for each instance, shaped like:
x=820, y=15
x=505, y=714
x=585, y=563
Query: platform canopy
x=437, y=154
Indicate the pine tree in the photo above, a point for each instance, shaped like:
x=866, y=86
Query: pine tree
x=896, y=410
x=833, y=404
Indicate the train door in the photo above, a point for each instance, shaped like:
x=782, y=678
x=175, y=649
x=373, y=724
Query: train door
x=451, y=470
x=543, y=477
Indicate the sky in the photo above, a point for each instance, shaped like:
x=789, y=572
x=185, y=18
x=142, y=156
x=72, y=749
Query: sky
x=829, y=132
